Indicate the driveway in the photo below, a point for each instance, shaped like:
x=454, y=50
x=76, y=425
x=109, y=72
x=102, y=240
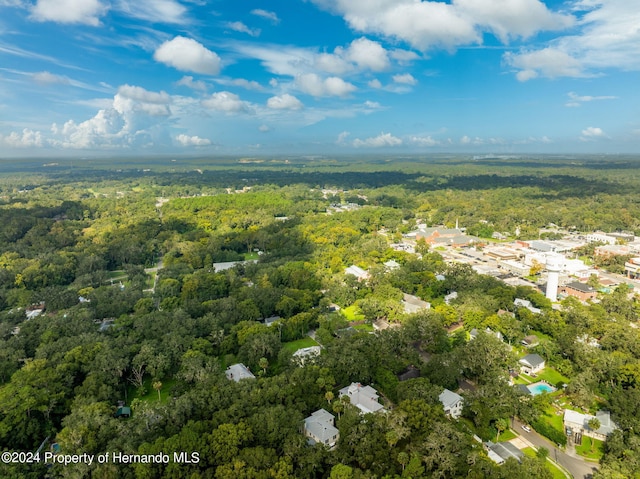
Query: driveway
x=576, y=465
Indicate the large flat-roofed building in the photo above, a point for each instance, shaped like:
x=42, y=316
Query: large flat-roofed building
x=632, y=268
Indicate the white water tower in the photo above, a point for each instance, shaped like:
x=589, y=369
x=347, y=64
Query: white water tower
x=554, y=266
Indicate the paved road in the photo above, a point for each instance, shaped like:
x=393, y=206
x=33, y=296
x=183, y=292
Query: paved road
x=576, y=465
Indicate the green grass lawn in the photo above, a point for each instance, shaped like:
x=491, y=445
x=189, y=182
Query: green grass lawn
x=526, y=378
x=250, y=256
x=364, y=327
x=550, y=417
x=152, y=394
x=116, y=274
x=293, y=346
x=507, y=435
x=352, y=313
x=552, y=376
x=557, y=472
x=585, y=449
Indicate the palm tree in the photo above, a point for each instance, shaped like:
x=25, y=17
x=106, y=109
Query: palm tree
x=501, y=425
x=157, y=385
x=329, y=396
x=594, y=425
x=263, y=363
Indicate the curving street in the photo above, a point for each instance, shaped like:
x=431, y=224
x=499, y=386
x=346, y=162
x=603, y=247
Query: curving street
x=576, y=465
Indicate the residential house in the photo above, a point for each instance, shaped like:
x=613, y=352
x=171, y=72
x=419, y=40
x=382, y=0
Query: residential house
x=530, y=341
x=306, y=354
x=238, y=371
x=473, y=334
x=502, y=451
x=452, y=403
x=525, y=303
x=391, y=265
x=320, y=428
x=532, y=364
x=358, y=272
x=271, y=320
x=413, y=304
x=578, y=423
x=364, y=398
x=450, y=297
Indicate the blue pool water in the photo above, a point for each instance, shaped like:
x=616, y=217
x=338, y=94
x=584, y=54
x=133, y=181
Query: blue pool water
x=539, y=388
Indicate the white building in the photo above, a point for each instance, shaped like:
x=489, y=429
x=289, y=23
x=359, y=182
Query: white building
x=452, y=403
x=238, y=371
x=579, y=423
x=364, y=398
x=320, y=428
x=306, y=354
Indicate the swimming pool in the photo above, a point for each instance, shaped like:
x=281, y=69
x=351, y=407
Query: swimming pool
x=539, y=388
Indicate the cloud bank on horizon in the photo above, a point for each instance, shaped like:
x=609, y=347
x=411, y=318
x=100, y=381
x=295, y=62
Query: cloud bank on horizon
x=318, y=76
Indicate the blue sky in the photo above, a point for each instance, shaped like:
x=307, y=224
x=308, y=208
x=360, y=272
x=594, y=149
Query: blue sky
x=123, y=77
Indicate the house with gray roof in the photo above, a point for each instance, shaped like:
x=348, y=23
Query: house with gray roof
x=320, y=428
x=525, y=303
x=452, y=403
x=306, y=354
x=358, y=272
x=578, y=423
x=238, y=371
x=364, y=398
x=413, y=304
x=532, y=363
x=502, y=451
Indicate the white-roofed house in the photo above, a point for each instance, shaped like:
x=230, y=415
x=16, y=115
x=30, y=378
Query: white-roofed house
x=358, y=272
x=306, y=354
x=579, y=423
x=413, y=304
x=238, y=371
x=452, y=403
x=320, y=428
x=364, y=398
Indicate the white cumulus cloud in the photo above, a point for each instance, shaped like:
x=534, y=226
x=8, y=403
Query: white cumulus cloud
x=428, y=24
x=592, y=133
x=26, y=139
x=548, y=62
x=86, y=12
x=606, y=37
x=186, y=54
x=380, y=141
x=134, y=118
x=405, y=79
x=189, y=82
x=424, y=141
x=186, y=140
x=316, y=86
x=226, y=102
x=284, y=102
x=368, y=54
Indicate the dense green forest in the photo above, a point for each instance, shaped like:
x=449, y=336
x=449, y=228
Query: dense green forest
x=120, y=254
